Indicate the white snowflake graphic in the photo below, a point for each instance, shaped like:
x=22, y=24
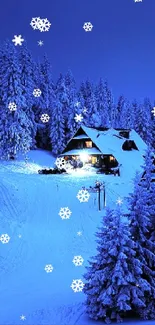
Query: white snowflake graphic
x=85, y=110
x=18, y=40
x=65, y=213
x=22, y=317
x=78, y=118
x=87, y=27
x=153, y=111
x=12, y=106
x=60, y=163
x=79, y=233
x=45, y=118
x=44, y=25
x=77, y=285
x=138, y=0
x=119, y=201
x=4, y=238
x=35, y=23
x=83, y=195
x=77, y=104
x=48, y=268
x=40, y=43
x=37, y=92
x=78, y=260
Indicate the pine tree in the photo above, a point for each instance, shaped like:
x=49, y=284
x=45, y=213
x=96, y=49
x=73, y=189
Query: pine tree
x=141, y=210
x=103, y=102
x=28, y=85
x=15, y=126
x=114, y=284
x=57, y=133
x=73, y=108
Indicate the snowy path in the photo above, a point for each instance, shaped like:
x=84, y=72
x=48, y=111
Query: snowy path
x=29, y=207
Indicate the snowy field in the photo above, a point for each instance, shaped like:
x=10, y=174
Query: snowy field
x=29, y=214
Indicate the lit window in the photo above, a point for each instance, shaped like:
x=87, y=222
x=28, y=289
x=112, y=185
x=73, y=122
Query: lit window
x=88, y=144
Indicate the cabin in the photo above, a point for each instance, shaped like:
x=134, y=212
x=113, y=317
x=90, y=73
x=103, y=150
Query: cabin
x=105, y=149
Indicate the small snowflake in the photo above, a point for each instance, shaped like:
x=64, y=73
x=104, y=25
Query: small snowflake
x=78, y=260
x=79, y=233
x=85, y=110
x=22, y=317
x=83, y=196
x=77, y=285
x=153, y=111
x=48, y=268
x=35, y=23
x=65, y=213
x=78, y=118
x=4, y=238
x=12, y=106
x=45, y=118
x=44, y=25
x=37, y=92
x=60, y=163
x=119, y=201
x=88, y=27
x=77, y=104
x=40, y=43
x=18, y=40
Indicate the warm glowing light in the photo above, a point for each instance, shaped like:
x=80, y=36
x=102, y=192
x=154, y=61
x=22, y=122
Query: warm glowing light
x=84, y=157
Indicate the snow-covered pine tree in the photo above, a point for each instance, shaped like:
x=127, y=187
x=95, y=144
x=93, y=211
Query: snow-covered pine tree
x=15, y=126
x=92, y=118
x=123, y=112
x=57, y=131
x=114, y=284
x=74, y=106
x=47, y=103
x=103, y=102
x=28, y=85
x=146, y=121
x=62, y=97
x=141, y=211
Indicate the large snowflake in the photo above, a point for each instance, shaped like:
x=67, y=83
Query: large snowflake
x=65, y=213
x=48, y=268
x=35, y=23
x=37, y=92
x=42, y=24
x=87, y=27
x=83, y=196
x=78, y=118
x=77, y=285
x=60, y=162
x=45, y=118
x=78, y=260
x=12, y=106
x=4, y=238
x=18, y=40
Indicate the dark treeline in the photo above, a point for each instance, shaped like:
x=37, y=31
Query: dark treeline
x=22, y=129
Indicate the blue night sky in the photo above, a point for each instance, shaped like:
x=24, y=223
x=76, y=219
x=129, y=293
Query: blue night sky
x=120, y=48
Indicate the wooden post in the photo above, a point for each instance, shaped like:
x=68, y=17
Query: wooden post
x=99, y=197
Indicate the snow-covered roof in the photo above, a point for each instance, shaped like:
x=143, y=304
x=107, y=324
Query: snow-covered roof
x=110, y=142
x=89, y=151
x=81, y=136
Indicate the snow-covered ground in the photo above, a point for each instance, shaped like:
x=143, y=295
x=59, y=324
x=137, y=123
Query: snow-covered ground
x=29, y=214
